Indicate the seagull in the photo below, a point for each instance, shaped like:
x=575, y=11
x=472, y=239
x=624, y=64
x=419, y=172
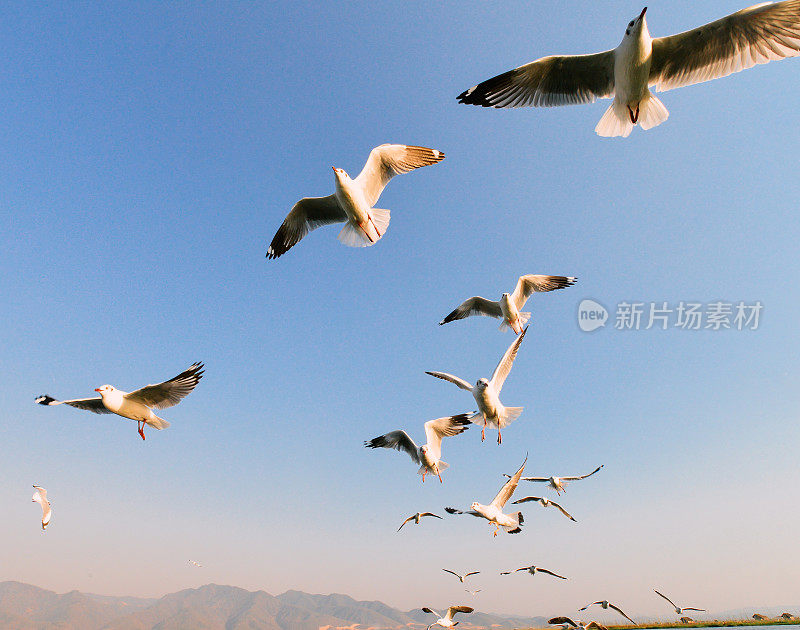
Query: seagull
x=605, y=604
x=136, y=405
x=741, y=40
x=545, y=503
x=446, y=621
x=491, y=411
x=493, y=512
x=678, y=610
x=40, y=497
x=194, y=564
x=416, y=518
x=473, y=593
x=508, y=306
x=461, y=578
x=533, y=570
x=686, y=620
x=352, y=202
x=558, y=483
x=567, y=624
x=428, y=455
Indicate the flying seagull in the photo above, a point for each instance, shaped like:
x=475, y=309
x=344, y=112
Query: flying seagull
x=546, y=503
x=686, y=620
x=493, y=512
x=568, y=624
x=195, y=564
x=353, y=201
x=491, y=412
x=678, y=610
x=428, y=455
x=446, y=621
x=40, y=497
x=417, y=517
x=461, y=578
x=558, y=483
x=605, y=605
x=508, y=306
x=136, y=405
x=533, y=570
x=473, y=593
x=748, y=37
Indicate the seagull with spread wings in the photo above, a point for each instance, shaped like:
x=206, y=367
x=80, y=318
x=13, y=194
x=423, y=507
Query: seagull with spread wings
x=446, y=620
x=678, y=610
x=605, y=605
x=509, y=305
x=428, y=456
x=417, y=517
x=545, y=502
x=533, y=570
x=558, y=483
x=136, y=405
x=491, y=412
x=461, y=578
x=568, y=624
x=353, y=201
x=755, y=35
x=40, y=497
x=493, y=512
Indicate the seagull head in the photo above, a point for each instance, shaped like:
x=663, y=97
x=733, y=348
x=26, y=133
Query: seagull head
x=340, y=173
x=482, y=383
x=637, y=25
x=104, y=389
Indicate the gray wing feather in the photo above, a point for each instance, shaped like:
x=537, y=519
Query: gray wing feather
x=398, y=440
x=388, y=160
x=171, y=392
x=476, y=305
x=508, y=488
x=460, y=382
x=95, y=405
x=526, y=285
x=619, y=610
x=576, y=478
x=307, y=214
x=504, y=367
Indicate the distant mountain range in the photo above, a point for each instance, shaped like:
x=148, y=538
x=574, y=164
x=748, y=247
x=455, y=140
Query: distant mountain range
x=214, y=607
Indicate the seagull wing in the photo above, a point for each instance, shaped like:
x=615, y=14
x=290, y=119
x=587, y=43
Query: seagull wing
x=665, y=597
x=621, y=613
x=430, y=514
x=440, y=428
x=697, y=609
x=532, y=478
x=451, y=510
x=738, y=41
x=594, y=624
x=563, y=511
x=453, y=573
x=471, y=573
x=410, y=518
x=388, y=160
x=527, y=500
x=460, y=382
x=580, y=476
x=95, y=405
x=504, y=367
x=546, y=82
x=307, y=214
x=551, y=573
x=171, y=392
x=508, y=488
x=397, y=440
x=556, y=620
x=474, y=306
x=457, y=609
x=40, y=496
x=431, y=611
x=530, y=283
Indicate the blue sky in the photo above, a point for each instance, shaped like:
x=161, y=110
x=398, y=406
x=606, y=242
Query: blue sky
x=150, y=153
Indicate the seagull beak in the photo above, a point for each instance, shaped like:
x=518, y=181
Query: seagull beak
x=334, y=168
x=641, y=15
x=97, y=389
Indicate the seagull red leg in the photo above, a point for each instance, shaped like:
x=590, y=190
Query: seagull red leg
x=141, y=428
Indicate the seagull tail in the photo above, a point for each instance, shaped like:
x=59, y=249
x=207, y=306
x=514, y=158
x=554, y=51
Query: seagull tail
x=442, y=466
x=158, y=423
x=516, y=529
x=616, y=121
x=651, y=112
x=353, y=235
x=509, y=415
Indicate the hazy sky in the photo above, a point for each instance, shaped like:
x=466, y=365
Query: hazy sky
x=151, y=151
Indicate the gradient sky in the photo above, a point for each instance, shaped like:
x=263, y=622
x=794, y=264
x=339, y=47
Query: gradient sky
x=151, y=151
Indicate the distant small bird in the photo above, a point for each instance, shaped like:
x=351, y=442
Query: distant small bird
x=40, y=497
x=491, y=412
x=461, y=578
x=558, y=483
x=428, y=455
x=473, y=593
x=678, y=610
x=759, y=617
x=605, y=605
x=686, y=620
x=748, y=37
x=353, y=201
x=194, y=564
x=417, y=517
x=446, y=621
x=493, y=512
x=136, y=405
x=533, y=570
x=546, y=503
x=787, y=615
x=509, y=305
x=567, y=624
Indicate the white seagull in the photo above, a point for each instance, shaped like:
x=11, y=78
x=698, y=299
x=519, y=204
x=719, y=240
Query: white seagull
x=461, y=578
x=605, y=605
x=353, y=201
x=493, y=512
x=40, y=497
x=136, y=405
x=748, y=37
x=446, y=621
x=678, y=610
x=558, y=483
x=533, y=570
x=473, y=593
x=417, y=517
x=195, y=564
x=429, y=454
x=545, y=502
x=509, y=305
x=491, y=412
x=568, y=624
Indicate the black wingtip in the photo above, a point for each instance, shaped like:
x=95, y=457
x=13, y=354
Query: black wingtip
x=45, y=400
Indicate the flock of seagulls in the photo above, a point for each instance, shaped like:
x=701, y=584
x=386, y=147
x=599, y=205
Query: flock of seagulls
x=755, y=35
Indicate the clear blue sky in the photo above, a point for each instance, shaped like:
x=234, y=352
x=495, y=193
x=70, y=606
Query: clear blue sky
x=149, y=154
